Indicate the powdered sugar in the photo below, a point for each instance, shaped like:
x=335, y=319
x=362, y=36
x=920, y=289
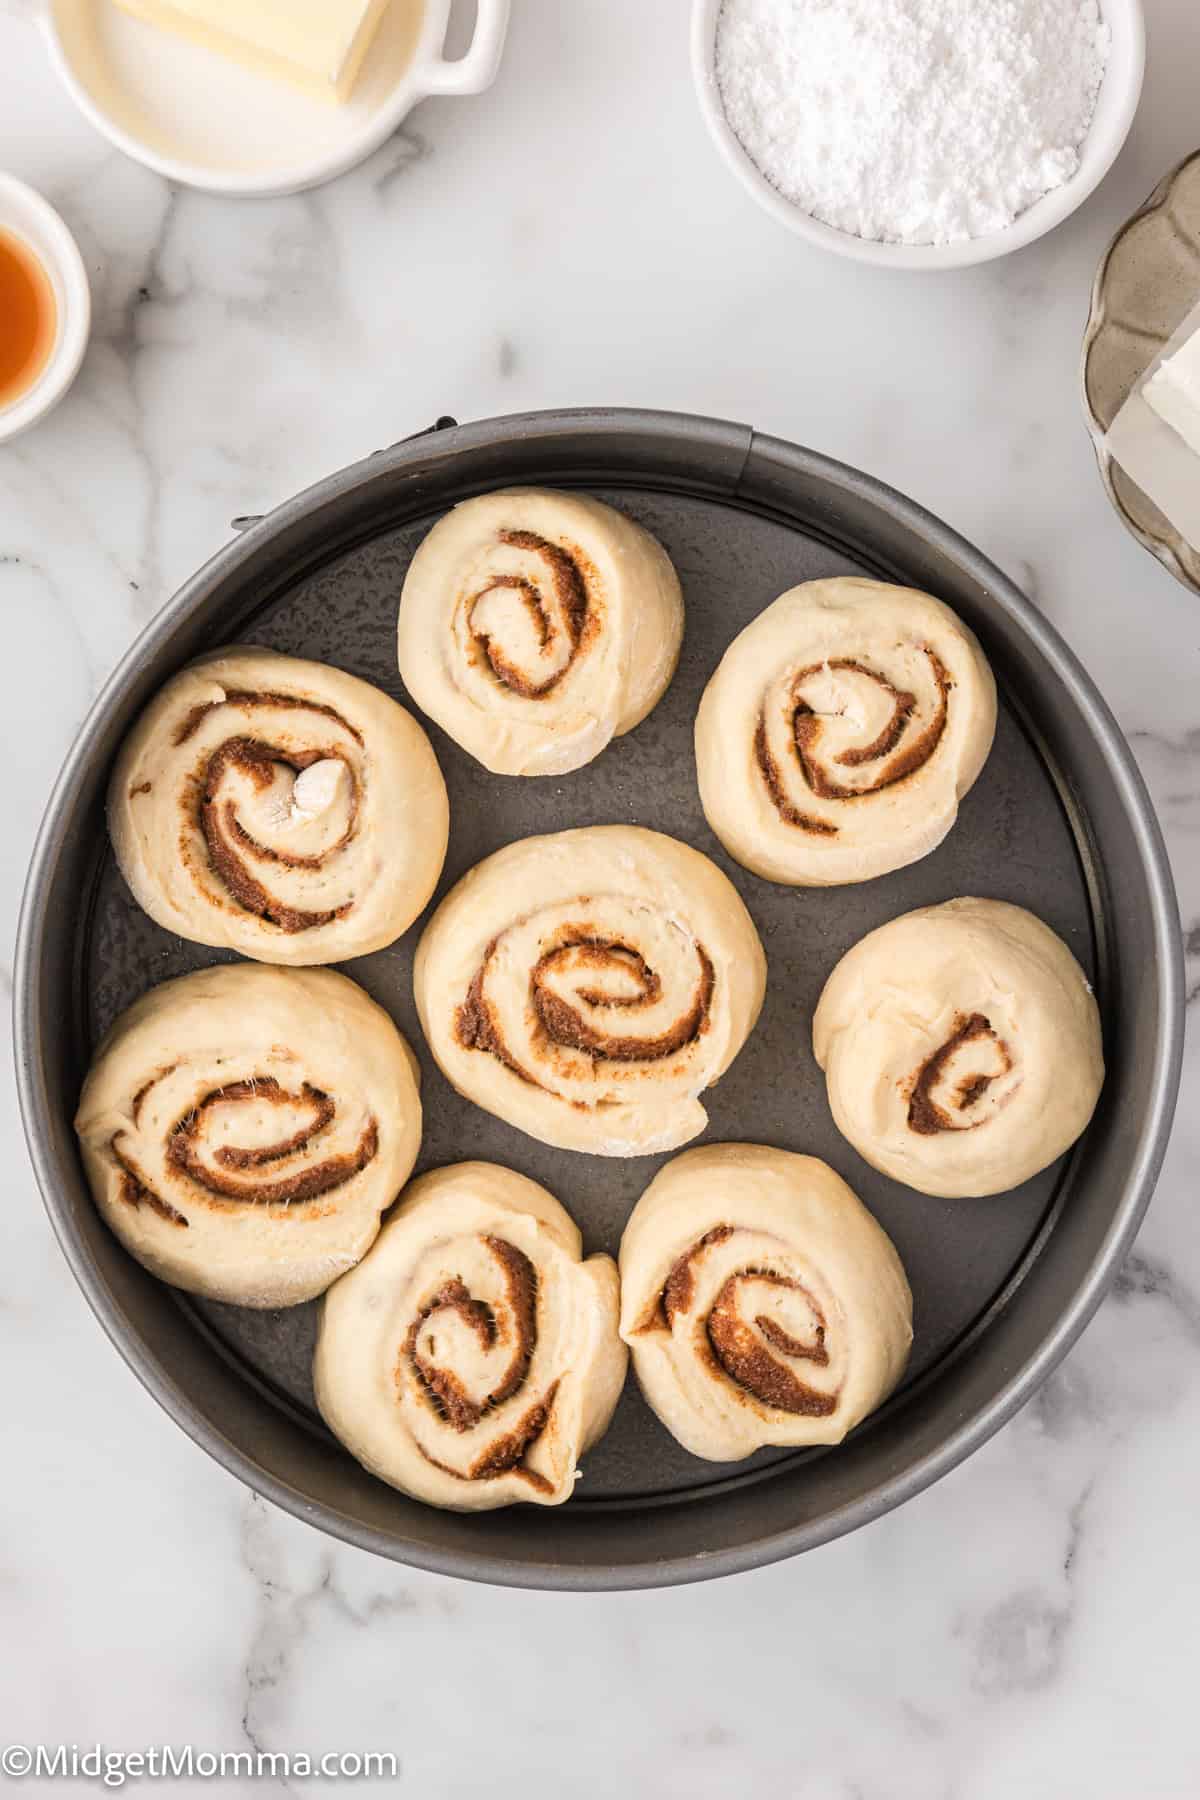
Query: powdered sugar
x=912, y=121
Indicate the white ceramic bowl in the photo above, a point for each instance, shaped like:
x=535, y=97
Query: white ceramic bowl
x=27, y=216
x=1115, y=108
x=200, y=119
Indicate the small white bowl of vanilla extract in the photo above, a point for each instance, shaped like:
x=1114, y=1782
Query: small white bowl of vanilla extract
x=45, y=307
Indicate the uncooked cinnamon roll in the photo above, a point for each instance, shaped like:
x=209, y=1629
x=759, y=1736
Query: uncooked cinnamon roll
x=535, y=626
x=281, y=808
x=472, y=1357
x=761, y=1301
x=961, y=1045
x=841, y=730
x=588, y=986
x=243, y=1128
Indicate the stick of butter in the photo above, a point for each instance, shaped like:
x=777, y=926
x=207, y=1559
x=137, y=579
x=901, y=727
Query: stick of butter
x=1174, y=391
x=317, y=44
x=1155, y=436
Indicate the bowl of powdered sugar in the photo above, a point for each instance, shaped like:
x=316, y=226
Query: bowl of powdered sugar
x=922, y=134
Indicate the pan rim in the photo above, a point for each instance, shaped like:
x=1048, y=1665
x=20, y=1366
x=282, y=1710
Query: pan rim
x=739, y=444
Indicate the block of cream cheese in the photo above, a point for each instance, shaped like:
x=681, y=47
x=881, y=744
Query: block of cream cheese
x=317, y=44
x=1174, y=391
x=1155, y=436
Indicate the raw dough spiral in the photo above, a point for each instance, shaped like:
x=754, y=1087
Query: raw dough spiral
x=761, y=1301
x=281, y=808
x=243, y=1128
x=535, y=626
x=473, y=1357
x=587, y=986
x=961, y=1045
x=841, y=730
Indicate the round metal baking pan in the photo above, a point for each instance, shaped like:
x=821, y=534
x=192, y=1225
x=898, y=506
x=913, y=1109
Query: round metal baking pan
x=1059, y=821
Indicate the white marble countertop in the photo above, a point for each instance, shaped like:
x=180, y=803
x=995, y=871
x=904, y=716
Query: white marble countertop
x=1027, y=1627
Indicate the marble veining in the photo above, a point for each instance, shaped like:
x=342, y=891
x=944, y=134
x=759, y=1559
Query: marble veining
x=1027, y=1626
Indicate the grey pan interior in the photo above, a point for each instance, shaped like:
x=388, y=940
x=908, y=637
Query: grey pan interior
x=1059, y=821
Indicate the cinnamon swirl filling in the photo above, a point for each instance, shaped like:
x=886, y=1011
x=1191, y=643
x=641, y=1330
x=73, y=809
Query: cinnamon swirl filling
x=592, y=998
x=237, y=1171
x=514, y=1331
x=134, y=1190
x=848, y=732
x=265, y=1171
x=962, y=1084
x=588, y=986
x=254, y=699
x=742, y=1338
x=244, y=799
x=454, y=1320
x=752, y=1351
x=232, y=846
x=534, y=614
